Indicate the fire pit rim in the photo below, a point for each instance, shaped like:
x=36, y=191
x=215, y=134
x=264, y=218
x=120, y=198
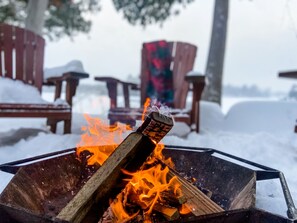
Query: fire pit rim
x=264, y=173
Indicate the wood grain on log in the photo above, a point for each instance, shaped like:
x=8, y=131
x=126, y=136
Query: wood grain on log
x=197, y=202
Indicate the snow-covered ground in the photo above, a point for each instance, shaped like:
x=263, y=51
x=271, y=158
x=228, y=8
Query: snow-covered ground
x=257, y=130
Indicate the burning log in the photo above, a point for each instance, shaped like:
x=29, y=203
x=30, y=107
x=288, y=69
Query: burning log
x=129, y=155
x=149, y=191
x=172, y=199
x=197, y=202
x=170, y=213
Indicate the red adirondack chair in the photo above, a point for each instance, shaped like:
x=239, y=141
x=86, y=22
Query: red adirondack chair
x=182, y=57
x=21, y=58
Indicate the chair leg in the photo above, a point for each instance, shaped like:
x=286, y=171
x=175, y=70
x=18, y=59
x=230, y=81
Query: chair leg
x=131, y=123
x=67, y=126
x=112, y=122
x=53, y=125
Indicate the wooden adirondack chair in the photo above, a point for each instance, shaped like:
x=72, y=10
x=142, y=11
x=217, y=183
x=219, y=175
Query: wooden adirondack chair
x=21, y=58
x=182, y=61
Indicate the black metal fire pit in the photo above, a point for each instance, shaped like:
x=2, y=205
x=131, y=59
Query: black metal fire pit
x=45, y=193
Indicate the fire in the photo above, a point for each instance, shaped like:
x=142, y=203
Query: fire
x=149, y=185
x=100, y=139
x=158, y=155
x=100, y=133
x=119, y=211
x=145, y=108
x=146, y=187
x=184, y=209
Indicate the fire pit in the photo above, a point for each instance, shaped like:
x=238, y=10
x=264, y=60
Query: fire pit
x=89, y=184
x=44, y=193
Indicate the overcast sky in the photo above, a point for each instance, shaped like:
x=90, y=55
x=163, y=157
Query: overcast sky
x=261, y=41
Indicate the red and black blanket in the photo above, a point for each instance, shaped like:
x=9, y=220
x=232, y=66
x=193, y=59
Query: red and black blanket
x=160, y=80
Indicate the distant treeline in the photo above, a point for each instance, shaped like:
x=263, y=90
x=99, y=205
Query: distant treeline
x=248, y=91
x=228, y=90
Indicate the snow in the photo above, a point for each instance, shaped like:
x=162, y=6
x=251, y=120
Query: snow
x=72, y=66
x=17, y=92
x=260, y=131
x=194, y=73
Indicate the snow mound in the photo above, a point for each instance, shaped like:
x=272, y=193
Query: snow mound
x=72, y=66
x=211, y=116
x=15, y=91
x=266, y=116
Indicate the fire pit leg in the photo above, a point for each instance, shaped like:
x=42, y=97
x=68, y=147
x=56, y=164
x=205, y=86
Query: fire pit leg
x=292, y=211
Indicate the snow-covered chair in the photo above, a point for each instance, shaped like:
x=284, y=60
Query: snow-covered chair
x=21, y=58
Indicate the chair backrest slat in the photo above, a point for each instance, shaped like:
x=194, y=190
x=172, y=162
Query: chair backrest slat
x=8, y=45
x=143, y=76
x=183, y=58
x=19, y=53
x=183, y=62
x=29, y=55
x=39, y=60
x=23, y=55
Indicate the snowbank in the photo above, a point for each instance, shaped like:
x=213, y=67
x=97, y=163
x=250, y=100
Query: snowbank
x=267, y=116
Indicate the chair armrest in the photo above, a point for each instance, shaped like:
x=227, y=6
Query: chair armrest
x=115, y=80
x=194, y=77
x=198, y=81
x=111, y=84
x=72, y=81
x=65, y=77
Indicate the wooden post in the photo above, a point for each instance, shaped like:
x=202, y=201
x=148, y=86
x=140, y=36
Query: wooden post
x=107, y=182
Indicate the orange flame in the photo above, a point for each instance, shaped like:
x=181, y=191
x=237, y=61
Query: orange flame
x=150, y=183
x=145, y=107
x=100, y=139
x=184, y=209
x=158, y=155
x=145, y=189
x=119, y=211
x=146, y=186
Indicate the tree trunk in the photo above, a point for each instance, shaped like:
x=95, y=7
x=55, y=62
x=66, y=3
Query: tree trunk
x=215, y=62
x=35, y=15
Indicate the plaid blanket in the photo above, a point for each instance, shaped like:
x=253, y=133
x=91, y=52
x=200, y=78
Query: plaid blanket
x=160, y=80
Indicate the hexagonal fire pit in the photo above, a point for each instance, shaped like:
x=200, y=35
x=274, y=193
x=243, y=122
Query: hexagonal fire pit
x=39, y=190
